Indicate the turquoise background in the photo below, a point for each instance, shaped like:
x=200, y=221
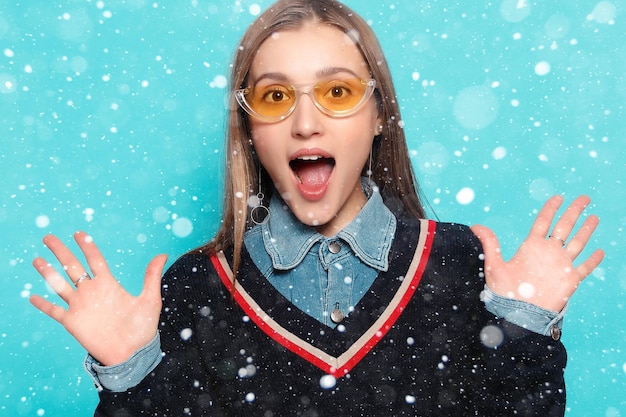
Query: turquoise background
x=112, y=120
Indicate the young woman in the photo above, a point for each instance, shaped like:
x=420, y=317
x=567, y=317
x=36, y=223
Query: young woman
x=326, y=292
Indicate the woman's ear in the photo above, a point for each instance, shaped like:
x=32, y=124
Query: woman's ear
x=379, y=127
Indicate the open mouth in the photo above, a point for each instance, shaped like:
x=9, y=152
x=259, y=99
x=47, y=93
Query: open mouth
x=312, y=172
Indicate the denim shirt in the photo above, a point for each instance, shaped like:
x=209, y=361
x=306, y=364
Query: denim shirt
x=319, y=274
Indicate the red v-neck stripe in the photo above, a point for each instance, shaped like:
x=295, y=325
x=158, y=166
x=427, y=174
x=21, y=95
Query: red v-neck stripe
x=342, y=364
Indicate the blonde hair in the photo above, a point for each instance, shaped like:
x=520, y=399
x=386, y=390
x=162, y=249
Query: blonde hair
x=391, y=165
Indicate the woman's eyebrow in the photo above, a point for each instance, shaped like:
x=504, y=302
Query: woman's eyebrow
x=334, y=70
x=274, y=76
x=324, y=72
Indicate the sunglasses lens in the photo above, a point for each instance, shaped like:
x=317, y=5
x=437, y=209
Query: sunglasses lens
x=272, y=100
x=340, y=95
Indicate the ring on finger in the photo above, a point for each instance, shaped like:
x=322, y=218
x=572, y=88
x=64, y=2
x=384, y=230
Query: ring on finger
x=557, y=238
x=81, y=278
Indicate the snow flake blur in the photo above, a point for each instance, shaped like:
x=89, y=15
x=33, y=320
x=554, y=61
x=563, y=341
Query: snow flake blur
x=102, y=115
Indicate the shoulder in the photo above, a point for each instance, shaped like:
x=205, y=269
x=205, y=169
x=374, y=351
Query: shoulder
x=192, y=280
x=190, y=270
x=456, y=235
x=189, y=264
x=455, y=254
x=453, y=236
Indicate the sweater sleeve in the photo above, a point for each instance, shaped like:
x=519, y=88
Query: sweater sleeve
x=516, y=371
x=180, y=384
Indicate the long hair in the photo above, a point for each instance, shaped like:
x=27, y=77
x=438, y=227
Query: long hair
x=391, y=165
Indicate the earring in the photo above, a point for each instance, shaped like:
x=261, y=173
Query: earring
x=369, y=189
x=379, y=129
x=259, y=213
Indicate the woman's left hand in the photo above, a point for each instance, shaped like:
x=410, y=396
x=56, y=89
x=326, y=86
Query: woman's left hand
x=542, y=271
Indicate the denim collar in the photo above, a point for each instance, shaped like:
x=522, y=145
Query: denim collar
x=369, y=235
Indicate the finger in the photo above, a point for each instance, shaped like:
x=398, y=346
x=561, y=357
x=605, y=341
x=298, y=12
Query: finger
x=566, y=223
x=69, y=262
x=582, y=236
x=590, y=264
x=52, y=310
x=544, y=219
x=58, y=284
x=152, y=281
x=491, y=246
x=95, y=260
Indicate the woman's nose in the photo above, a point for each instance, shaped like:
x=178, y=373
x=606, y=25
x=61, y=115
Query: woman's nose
x=306, y=119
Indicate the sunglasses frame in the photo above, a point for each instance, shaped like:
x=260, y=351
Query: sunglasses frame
x=240, y=96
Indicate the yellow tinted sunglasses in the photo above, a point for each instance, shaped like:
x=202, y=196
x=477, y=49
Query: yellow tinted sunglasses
x=335, y=98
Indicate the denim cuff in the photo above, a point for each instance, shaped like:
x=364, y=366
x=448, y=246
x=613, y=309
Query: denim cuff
x=523, y=314
x=125, y=375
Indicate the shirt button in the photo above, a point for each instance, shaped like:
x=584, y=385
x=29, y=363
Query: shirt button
x=334, y=247
x=336, y=315
x=555, y=332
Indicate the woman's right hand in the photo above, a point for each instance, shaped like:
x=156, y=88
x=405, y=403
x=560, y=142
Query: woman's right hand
x=103, y=317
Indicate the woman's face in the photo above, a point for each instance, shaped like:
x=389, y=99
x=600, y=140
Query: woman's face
x=314, y=160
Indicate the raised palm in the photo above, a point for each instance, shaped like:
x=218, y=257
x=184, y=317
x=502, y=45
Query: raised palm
x=542, y=271
x=103, y=317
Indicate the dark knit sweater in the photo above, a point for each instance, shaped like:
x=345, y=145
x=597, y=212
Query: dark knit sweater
x=419, y=343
